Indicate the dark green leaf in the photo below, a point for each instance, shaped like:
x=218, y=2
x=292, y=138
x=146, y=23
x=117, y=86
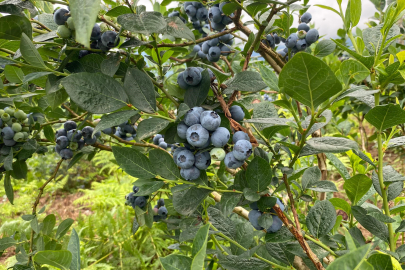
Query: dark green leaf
x=233, y=262
x=20, y=169
x=176, y=28
x=181, y=198
x=266, y=203
x=269, y=77
x=13, y=74
x=321, y=218
x=196, y=95
x=7, y=242
x=351, y=260
x=74, y=248
x=76, y=158
x=48, y=224
x=149, y=127
x=382, y=261
x=147, y=187
x=164, y=164
x=58, y=258
x=261, y=153
x=12, y=26
x=323, y=186
x=176, y=262
x=114, y=119
x=110, y=65
x=140, y=90
x=357, y=186
x=84, y=14
x=9, y=188
x=35, y=75
x=64, y=227
x=133, y=162
x=117, y=11
x=280, y=252
x=327, y=145
x=282, y=235
x=258, y=174
x=338, y=165
x=371, y=224
x=395, y=188
x=386, y=116
x=243, y=235
x=250, y=194
x=30, y=53
x=310, y=176
x=49, y=133
x=132, y=43
x=144, y=23
x=200, y=247
x=222, y=223
x=324, y=48
x=245, y=81
x=228, y=202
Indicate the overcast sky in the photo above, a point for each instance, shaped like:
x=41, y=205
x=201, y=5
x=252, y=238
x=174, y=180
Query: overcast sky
x=327, y=22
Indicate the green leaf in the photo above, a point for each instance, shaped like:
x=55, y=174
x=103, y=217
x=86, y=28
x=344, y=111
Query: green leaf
x=266, y=203
x=8, y=161
x=219, y=75
x=401, y=227
x=176, y=262
x=243, y=235
x=164, y=164
x=341, y=204
x=250, y=194
x=196, y=95
x=371, y=224
x=13, y=74
x=114, y=119
x=228, y=202
x=261, y=153
x=264, y=110
x=386, y=116
x=269, y=77
x=321, y=218
x=258, y=174
x=17, y=6
x=64, y=227
x=324, y=48
x=382, y=261
x=356, y=187
x=145, y=23
x=280, y=252
x=355, y=12
x=140, y=90
x=35, y=75
x=323, y=186
x=368, y=61
x=55, y=93
x=110, y=65
x=395, y=188
x=58, y=258
x=30, y=53
x=282, y=235
x=95, y=92
x=7, y=242
x=133, y=162
x=9, y=188
x=181, y=198
x=245, y=81
x=310, y=176
x=309, y=80
x=150, y=127
x=147, y=187
x=327, y=145
x=233, y=262
x=74, y=248
x=200, y=248
x=351, y=260
x=49, y=133
x=338, y=165
x=117, y=11
x=353, y=69
x=48, y=224
x=76, y=158
x=176, y=28
x=397, y=209
x=266, y=220
x=381, y=217
x=372, y=36
x=84, y=14
x=20, y=170
x=12, y=26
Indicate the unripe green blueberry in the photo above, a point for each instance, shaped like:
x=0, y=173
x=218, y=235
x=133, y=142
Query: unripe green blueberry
x=26, y=121
x=16, y=127
x=20, y=115
x=70, y=23
x=10, y=122
x=301, y=34
x=128, y=135
x=64, y=32
x=18, y=137
x=26, y=129
x=26, y=135
x=217, y=154
x=73, y=146
x=5, y=117
x=9, y=110
x=104, y=27
x=1, y=111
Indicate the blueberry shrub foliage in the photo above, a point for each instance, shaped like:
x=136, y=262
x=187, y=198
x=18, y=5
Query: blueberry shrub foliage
x=226, y=116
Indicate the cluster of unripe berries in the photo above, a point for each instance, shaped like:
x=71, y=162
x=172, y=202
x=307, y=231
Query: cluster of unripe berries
x=125, y=131
x=213, y=49
x=103, y=41
x=70, y=139
x=255, y=214
x=15, y=128
x=133, y=200
x=191, y=77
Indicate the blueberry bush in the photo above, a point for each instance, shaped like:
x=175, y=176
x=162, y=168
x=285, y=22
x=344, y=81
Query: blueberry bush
x=236, y=127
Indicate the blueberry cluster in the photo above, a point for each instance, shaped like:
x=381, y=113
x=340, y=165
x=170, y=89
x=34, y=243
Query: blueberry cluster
x=198, y=15
x=217, y=18
x=160, y=141
x=303, y=38
x=255, y=214
x=176, y=14
x=213, y=49
x=191, y=77
x=160, y=211
x=272, y=40
x=267, y=97
x=133, y=200
x=70, y=139
x=15, y=128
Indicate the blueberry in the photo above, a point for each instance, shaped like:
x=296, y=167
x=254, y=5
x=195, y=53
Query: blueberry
x=190, y=11
x=57, y=149
x=301, y=45
x=109, y=131
x=181, y=82
x=214, y=54
x=196, y=48
x=173, y=14
x=231, y=162
x=5, y=117
x=157, y=138
x=62, y=141
x=301, y=34
x=220, y=137
x=163, y=145
x=182, y=130
x=61, y=16
x=87, y=131
x=74, y=135
x=80, y=144
x=280, y=204
x=131, y=198
x=202, y=160
x=303, y=26
x=83, y=53
x=185, y=159
x=140, y=202
x=18, y=137
x=161, y=202
x=276, y=226
x=63, y=31
x=205, y=47
x=217, y=154
x=306, y=17
x=282, y=53
x=291, y=41
x=215, y=15
x=157, y=218
x=237, y=113
x=242, y=149
x=254, y=216
x=90, y=141
x=192, y=76
x=276, y=38
x=191, y=173
x=202, y=14
x=21, y=115
x=193, y=116
x=135, y=189
x=271, y=41
x=129, y=129
x=69, y=125
x=7, y=133
x=226, y=20
x=95, y=32
x=197, y=4
x=66, y=153
x=186, y=4
x=176, y=153
x=240, y=135
x=225, y=50
x=213, y=42
x=210, y=120
x=202, y=55
x=101, y=46
x=225, y=38
x=162, y=211
x=109, y=39
x=254, y=206
x=197, y=25
x=70, y=23
x=218, y=26
x=312, y=36
x=197, y=136
x=9, y=110
x=16, y=127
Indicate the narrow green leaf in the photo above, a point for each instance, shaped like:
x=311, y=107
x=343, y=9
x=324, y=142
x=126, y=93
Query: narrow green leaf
x=140, y=90
x=8, y=187
x=351, y=260
x=64, y=227
x=150, y=127
x=74, y=248
x=30, y=53
x=200, y=248
x=49, y=133
x=355, y=12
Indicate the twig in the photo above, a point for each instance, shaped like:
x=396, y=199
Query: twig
x=228, y=64
x=218, y=67
x=41, y=24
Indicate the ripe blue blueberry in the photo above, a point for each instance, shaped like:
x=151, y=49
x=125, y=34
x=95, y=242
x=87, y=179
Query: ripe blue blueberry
x=225, y=38
x=140, y=202
x=186, y=4
x=90, y=141
x=202, y=55
x=74, y=135
x=173, y=14
x=163, y=145
x=185, y=159
x=254, y=206
x=210, y=120
x=193, y=116
x=197, y=24
x=95, y=32
x=226, y=19
x=303, y=26
x=276, y=38
x=87, y=131
x=58, y=149
x=242, y=149
x=282, y=53
x=7, y=133
x=176, y=153
x=162, y=211
x=109, y=131
x=69, y=125
x=280, y=204
x=214, y=53
x=231, y=162
x=240, y=135
x=215, y=14
x=61, y=16
x=218, y=26
x=202, y=14
x=196, y=48
x=192, y=76
x=191, y=173
x=135, y=189
x=237, y=113
x=157, y=138
x=161, y=202
x=157, y=218
x=225, y=50
x=109, y=39
x=9, y=142
x=202, y=160
x=301, y=45
x=306, y=17
x=66, y=153
x=197, y=4
x=83, y=53
x=270, y=40
x=220, y=137
x=276, y=226
x=62, y=141
x=291, y=41
x=181, y=82
x=205, y=47
x=191, y=11
x=128, y=129
x=182, y=130
x=213, y=42
x=312, y=36
x=197, y=136
x=254, y=216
